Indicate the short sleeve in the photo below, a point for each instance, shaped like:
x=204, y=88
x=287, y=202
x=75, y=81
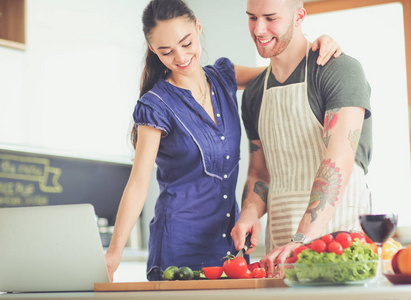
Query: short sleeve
x=248, y=117
x=251, y=105
x=147, y=113
x=345, y=84
x=225, y=67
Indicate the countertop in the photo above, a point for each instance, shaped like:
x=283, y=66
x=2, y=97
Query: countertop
x=354, y=292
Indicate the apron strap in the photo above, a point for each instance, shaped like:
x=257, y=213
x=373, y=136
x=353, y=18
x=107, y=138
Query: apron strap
x=306, y=61
x=266, y=79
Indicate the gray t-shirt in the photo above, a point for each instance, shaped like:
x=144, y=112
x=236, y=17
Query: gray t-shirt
x=340, y=83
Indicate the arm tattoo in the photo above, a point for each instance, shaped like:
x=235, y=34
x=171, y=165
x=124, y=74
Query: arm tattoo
x=331, y=118
x=253, y=147
x=326, y=188
x=354, y=137
x=261, y=189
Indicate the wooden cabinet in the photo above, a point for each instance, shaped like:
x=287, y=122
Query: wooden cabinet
x=13, y=24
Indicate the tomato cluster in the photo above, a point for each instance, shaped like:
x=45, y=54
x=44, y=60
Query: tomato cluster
x=235, y=268
x=327, y=243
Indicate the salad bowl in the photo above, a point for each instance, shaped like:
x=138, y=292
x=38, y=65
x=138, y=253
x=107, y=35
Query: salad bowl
x=331, y=273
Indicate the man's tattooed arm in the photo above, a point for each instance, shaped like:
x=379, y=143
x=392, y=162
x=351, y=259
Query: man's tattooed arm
x=253, y=147
x=330, y=119
x=326, y=188
x=261, y=189
x=353, y=138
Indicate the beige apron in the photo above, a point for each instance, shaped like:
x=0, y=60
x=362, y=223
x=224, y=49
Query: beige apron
x=291, y=137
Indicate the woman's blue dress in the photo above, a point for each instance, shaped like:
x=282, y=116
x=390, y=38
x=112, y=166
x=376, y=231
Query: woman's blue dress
x=197, y=170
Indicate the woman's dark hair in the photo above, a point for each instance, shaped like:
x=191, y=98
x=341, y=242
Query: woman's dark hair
x=157, y=10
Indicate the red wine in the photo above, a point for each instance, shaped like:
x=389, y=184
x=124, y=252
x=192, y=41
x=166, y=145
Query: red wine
x=379, y=228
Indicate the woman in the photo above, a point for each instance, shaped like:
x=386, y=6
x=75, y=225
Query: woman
x=187, y=123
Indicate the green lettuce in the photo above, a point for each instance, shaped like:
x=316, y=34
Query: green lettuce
x=358, y=262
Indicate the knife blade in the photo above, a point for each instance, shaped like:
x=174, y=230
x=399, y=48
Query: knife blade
x=246, y=246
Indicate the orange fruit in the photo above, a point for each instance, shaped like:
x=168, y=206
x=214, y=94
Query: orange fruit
x=394, y=262
x=404, y=260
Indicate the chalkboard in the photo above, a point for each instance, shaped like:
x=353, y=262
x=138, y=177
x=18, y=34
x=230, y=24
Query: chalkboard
x=31, y=179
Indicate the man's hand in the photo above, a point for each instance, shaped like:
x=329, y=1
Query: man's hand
x=276, y=257
x=246, y=224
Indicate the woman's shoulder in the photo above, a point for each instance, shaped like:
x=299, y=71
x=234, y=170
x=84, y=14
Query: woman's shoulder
x=223, y=69
x=223, y=64
x=155, y=96
x=151, y=110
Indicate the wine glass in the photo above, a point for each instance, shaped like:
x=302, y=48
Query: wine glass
x=379, y=228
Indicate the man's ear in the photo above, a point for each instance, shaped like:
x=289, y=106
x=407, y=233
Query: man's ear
x=300, y=16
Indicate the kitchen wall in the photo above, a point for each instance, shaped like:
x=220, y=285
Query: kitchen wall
x=72, y=91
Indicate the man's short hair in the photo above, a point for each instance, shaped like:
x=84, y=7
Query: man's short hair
x=294, y=5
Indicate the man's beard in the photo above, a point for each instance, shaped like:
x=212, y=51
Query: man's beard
x=280, y=44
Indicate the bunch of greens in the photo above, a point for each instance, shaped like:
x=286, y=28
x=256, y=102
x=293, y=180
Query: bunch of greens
x=357, y=262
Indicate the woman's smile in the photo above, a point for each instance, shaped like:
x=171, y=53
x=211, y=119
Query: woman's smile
x=186, y=64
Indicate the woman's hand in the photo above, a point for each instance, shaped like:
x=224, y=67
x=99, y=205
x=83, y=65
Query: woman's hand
x=112, y=261
x=328, y=47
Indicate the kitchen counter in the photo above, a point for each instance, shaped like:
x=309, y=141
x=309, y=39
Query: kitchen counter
x=387, y=291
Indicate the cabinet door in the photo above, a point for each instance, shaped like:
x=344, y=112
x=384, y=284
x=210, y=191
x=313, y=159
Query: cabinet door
x=12, y=23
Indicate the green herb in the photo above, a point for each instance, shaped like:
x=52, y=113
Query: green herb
x=357, y=262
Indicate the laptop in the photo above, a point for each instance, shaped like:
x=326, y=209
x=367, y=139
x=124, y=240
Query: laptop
x=50, y=249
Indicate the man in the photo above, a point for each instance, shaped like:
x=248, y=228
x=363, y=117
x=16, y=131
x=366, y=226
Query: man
x=309, y=128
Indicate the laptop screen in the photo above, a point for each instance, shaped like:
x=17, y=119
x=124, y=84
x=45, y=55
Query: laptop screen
x=50, y=248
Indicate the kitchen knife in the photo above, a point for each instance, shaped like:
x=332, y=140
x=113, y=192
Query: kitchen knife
x=246, y=246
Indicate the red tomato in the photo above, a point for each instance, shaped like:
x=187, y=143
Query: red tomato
x=319, y=246
x=235, y=267
x=213, y=272
x=259, y=273
x=328, y=238
x=335, y=247
x=253, y=266
x=344, y=239
x=299, y=250
x=291, y=260
x=357, y=235
x=248, y=274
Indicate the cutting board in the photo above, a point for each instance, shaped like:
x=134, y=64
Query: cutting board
x=204, y=284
